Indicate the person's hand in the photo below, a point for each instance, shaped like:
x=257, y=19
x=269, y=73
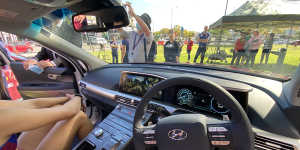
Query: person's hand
x=29, y=62
x=83, y=106
x=79, y=18
x=130, y=11
x=44, y=64
x=73, y=105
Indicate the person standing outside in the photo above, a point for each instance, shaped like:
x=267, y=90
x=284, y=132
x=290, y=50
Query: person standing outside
x=246, y=47
x=152, y=53
x=140, y=41
x=124, y=48
x=254, y=43
x=203, y=39
x=239, y=50
x=267, y=48
x=172, y=49
x=189, y=48
x=114, y=50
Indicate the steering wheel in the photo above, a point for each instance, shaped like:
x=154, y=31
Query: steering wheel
x=194, y=131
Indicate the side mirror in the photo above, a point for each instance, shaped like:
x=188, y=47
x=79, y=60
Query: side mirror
x=101, y=20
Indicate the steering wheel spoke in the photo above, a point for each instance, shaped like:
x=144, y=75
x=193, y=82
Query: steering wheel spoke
x=220, y=134
x=192, y=131
x=147, y=136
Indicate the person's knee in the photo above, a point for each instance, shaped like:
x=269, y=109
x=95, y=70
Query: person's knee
x=81, y=115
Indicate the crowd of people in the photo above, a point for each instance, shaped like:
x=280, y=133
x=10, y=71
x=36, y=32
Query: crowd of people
x=138, y=46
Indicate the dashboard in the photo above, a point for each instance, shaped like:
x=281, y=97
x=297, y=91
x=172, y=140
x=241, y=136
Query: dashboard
x=261, y=98
x=185, y=97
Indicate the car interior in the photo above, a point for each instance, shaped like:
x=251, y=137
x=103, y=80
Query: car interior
x=155, y=106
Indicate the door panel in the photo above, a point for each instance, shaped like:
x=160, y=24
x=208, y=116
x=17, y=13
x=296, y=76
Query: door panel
x=52, y=82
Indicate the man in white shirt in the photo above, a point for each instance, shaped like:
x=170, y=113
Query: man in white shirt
x=138, y=39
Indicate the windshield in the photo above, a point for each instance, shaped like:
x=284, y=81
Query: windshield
x=258, y=36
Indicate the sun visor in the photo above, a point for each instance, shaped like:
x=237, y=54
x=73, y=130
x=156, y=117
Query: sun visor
x=53, y=3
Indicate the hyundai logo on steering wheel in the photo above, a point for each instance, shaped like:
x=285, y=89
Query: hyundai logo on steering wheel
x=177, y=134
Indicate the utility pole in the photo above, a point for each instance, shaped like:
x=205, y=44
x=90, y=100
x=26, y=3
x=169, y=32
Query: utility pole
x=226, y=8
x=172, y=18
x=222, y=31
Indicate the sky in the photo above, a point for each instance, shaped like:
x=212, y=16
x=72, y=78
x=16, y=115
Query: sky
x=191, y=14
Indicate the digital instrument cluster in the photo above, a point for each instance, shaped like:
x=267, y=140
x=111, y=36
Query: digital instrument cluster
x=197, y=99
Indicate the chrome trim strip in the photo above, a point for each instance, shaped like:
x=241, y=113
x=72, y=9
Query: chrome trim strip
x=112, y=95
x=142, y=73
x=99, y=90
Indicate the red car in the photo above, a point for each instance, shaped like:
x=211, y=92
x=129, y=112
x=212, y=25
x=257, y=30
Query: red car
x=19, y=47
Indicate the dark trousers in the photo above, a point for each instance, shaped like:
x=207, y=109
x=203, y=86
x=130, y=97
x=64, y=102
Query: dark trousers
x=237, y=57
x=233, y=57
x=202, y=51
x=266, y=52
x=189, y=54
x=115, y=55
x=251, y=57
x=171, y=59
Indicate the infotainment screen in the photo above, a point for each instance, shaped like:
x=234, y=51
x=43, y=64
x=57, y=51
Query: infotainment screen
x=138, y=84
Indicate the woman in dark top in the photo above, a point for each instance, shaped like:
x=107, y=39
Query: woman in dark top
x=171, y=50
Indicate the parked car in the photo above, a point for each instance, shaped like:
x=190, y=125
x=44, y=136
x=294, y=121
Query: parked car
x=20, y=47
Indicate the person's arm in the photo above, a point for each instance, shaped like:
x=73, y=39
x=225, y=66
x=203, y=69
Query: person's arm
x=123, y=51
x=143, y=25
x=34, y=103
x=178, y=51
x=16, y=120
x=165, y=52
x=207, y=38
x=41, y=55
x=236, y=44
x=198, y=39
x=115, y=45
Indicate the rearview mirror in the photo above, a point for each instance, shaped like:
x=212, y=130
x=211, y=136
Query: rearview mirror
x=101, y=20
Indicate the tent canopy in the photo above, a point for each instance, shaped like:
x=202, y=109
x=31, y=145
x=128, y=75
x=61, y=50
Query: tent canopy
x=261, y=13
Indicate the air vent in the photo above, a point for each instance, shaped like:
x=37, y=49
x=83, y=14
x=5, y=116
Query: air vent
x=134, y=103
x=263, y=143
x=126, y=101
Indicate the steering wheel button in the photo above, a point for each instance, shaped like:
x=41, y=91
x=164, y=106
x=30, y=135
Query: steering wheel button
x=221, y=129
x=218, y=136
x=220, y=143
x=150, y=142
x=149, y=132
x=212, y=129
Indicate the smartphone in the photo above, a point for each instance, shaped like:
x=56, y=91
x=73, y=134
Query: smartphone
x=36, y=69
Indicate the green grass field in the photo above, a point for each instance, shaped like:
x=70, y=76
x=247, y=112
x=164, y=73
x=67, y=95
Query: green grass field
x=291, y=62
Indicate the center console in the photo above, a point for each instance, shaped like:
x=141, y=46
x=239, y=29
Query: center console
x=114, y=132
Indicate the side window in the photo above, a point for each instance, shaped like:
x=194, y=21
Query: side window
x=99, y=45
x=19, y=47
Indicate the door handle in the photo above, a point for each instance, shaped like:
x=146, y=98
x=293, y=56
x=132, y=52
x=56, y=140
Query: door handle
x=53, y=76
